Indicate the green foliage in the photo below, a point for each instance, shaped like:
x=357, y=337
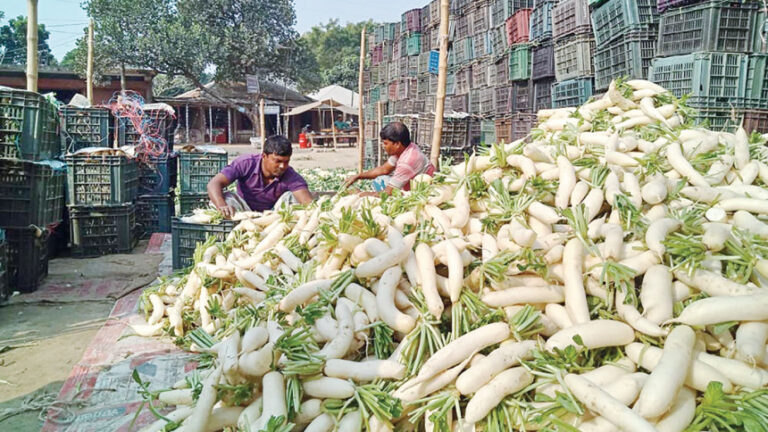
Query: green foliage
x=13, y=43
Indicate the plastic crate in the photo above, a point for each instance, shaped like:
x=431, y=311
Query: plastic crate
x=570, y=17
x=28, y=128
x=521, y=124
x=571, y=93
x=541, y=21
x=27, y=258
x=574, y=57
x=521, y=99
x=663, y=5
x=154, y=214
x=480, y=74
x=520, y=62
x=413, y=44
x=502, y=101
x=474, y=102
x=5, y=291
x=411, y=21
x=712, y=26
x=458, y=103
x=102, y=230
x=756, y=120
x=83, y=127
x=543, y=61
x=717, y=118
x=503, y=9
x=158, y=175
x=617, y=17
x=542, y=94
x=101, y=180
x=756, y=91
x=31, y=193
x=717, y=79
x=425, y=17
x=503, y=126
x=189, y=202
x=502, y=70
x=487, y=132
x=186, y=237
x=197, y=168
x=519, y=27
x=479, y=18
x=629, y=55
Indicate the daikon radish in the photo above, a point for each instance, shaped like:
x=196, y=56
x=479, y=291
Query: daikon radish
x=594, y=334
x=339, y=346
x=491, y=394
x=205, y=401
x=656, y=294
x=681, y=414
x=737, y=371
x=484, y=370
x=750, y=340
x=567, y=176
x=364, y=371
x=575, y=297
x=631, y=316
x=699, y=374
x=325, y=387
x=385, y=305
x=713, y=310
x=302, y=294
x=657, y=232
x=322, y=423
x=523, y=295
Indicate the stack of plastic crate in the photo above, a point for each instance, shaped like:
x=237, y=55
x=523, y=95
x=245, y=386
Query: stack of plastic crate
x=712, y=51
x=574, y=45
x=31, y=184
x=543, y=53
x=625, y=39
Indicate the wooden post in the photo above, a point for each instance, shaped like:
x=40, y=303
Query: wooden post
x=380, y=124
x=229, y=125
x=89, y=66
x=360, y=112
x=262, y=129
x=187, y=121
x=442, y=77
x=32, y=45
x=333, y=127
x=210, y=123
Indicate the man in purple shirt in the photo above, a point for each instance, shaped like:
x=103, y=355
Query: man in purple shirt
x=261, y=179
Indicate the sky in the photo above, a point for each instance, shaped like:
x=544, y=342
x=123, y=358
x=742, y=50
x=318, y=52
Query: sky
x=65, y=19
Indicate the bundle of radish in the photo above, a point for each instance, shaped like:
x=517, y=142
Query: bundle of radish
x=607, y=273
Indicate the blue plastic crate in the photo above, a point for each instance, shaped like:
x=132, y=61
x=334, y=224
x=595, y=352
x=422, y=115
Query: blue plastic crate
x=541, y=21
x=434, y=61
x=154, y=214
x=157, y=176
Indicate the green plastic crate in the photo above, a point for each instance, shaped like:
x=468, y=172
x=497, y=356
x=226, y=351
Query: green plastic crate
x=711, y=26
x=28, y=126
x=413, y=44
x=102, y=230
x=520, y=62
x=629, y=56
x=83, y=127
x=571, y=93
x=4, y=284
x=187, y=236
x=714, y=79
x=756, y=92
x=101, y=180
x=197, y=168
x=616, y=17
x=189, y=202
x=31, y=193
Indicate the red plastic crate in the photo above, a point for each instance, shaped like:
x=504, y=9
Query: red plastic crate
x=756, y=120
x=518, y=27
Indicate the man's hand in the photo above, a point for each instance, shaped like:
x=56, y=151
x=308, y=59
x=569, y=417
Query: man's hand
x=227, y=211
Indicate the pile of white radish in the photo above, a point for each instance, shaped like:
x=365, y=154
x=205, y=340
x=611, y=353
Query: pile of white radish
x=602, y=275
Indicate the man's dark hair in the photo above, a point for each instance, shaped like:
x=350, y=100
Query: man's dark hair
x=278, y=145
x=396, y=132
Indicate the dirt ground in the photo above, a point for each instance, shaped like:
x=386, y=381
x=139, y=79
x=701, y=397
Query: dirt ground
x=342, y=157
x=43, y=335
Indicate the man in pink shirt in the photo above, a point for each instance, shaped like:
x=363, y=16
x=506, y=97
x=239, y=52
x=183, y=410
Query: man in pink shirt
x=406, y=161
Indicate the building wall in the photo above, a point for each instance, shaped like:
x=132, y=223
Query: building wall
x=65, y=87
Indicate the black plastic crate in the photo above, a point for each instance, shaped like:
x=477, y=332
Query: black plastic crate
x=186, y=237
x=101, y=180
x=158, y=176
x=712, y=26
x=31, y=193
x=542, y=94
x=58, y=237
x=520, y=99
x=28, y=128
x=197, y=168
x=189, y=202
x=4, y=284
x=102, y=230
x=27, y=258
x=83, y=127
x=629, y=55
x=570, y=17
x=543, y=61
x=522, y=123
x=154, y=214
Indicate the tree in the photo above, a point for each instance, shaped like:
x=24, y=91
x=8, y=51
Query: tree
x=185, y=38
x=336, y=50
x=169, y=86
x=13, y=43
x=76, y=59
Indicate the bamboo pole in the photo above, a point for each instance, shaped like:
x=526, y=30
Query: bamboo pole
x=442, y=77
x=32, y=45
x=361, y=113
x=89, y=66
x=333, y=127
x=380, y=124
x=262, y=130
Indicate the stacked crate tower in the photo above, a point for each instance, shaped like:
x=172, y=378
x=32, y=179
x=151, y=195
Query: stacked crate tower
x=714, y=52
x=197, y=166
x=31, y=187
x=574, y=52
x=625, y=40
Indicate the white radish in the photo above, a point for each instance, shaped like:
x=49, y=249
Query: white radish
x=325, y=387
x=575, y=297
x=364, y=371
x=657, y=232
x=491, y=394
x=656, y=294
x=484, y=370
x=567, y=177
x=303, y=294
x=205, y=401
x=713, y=310
x=594, y=334
x=385, y=304
x=699, y=374
x=425, y=260
x=339, y=346
x=737, y=371
x=523, y=295
x=750, y=340
x=681, y=414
